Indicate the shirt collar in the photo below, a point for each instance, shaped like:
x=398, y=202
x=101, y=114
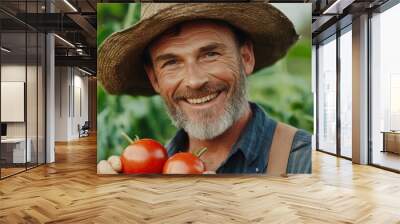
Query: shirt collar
x=179, y=143
x=255, y=137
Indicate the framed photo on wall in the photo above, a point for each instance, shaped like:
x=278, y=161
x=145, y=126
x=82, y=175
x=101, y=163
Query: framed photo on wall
x=204, y=88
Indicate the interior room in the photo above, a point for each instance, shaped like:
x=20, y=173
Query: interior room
x=49, y=137
x=22, y=98
x=333, y=60
x=38, y=108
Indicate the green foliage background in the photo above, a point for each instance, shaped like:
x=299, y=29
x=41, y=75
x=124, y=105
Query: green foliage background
x=283, y=90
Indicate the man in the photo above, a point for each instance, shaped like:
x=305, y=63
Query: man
x=197, y=57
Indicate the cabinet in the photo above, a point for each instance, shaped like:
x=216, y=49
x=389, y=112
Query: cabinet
x=391, y=141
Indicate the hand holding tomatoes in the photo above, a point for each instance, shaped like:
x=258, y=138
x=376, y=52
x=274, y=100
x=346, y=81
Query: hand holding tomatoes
x=104, y=167
x=147, y=156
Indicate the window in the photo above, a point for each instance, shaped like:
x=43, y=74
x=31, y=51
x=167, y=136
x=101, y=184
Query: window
x=346, y=92
x=385, y=89
x=327, y=96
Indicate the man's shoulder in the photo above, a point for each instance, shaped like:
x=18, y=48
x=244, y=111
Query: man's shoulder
x=300, y=155
x=301, y=139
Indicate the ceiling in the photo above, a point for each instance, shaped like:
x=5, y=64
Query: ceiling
x=72, y=20
x=328, y=13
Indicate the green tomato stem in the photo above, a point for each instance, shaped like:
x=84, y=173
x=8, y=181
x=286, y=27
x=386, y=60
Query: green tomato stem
x=127, y=137
x=137, y=138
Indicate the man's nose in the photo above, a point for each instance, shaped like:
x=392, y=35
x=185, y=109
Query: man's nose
x=195, y=77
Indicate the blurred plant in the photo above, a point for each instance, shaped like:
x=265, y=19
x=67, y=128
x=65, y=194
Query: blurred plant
x=283, y=90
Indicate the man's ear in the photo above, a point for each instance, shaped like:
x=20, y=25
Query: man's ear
x=247, y=57
x=152, y=77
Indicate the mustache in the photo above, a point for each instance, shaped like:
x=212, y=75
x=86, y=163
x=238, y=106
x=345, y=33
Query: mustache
x=198, y=93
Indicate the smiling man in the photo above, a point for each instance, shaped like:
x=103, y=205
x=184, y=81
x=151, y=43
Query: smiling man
x=197, y=57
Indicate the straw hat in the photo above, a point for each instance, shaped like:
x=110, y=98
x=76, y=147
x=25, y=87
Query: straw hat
x=120, y=57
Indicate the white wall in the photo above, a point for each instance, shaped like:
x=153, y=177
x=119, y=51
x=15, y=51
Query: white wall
x=80, y=110
x=33, y=127
x=13, y=100
x=61, y=103
x=13, y=73
x=70, y=83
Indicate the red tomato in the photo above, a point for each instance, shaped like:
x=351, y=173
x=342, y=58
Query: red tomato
x=184, y=163
x=143, y=156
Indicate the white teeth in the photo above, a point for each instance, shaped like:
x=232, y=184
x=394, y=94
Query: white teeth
x=203, y=99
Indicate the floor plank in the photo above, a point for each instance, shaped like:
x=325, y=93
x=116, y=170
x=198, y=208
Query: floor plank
x=69, y=191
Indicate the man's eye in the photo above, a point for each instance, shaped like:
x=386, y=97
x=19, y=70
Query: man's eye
x=211, y=54
x=170, y=62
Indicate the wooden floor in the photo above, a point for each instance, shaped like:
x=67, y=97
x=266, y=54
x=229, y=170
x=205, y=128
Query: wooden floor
x=69, y=191
x=10, y=171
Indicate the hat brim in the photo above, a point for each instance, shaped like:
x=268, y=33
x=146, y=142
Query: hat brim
x=120, y=57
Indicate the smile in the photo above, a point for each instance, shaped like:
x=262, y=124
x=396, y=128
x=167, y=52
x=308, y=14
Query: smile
x=201, y=100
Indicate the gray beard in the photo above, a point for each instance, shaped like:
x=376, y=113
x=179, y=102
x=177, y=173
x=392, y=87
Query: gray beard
x=209, y=126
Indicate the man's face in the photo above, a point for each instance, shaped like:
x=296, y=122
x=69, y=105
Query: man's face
x=201, y=75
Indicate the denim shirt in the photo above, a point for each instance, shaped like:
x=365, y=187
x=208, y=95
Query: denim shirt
x=250, y=153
